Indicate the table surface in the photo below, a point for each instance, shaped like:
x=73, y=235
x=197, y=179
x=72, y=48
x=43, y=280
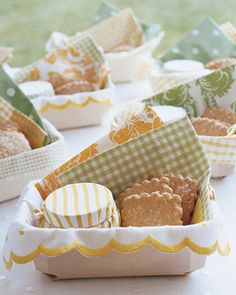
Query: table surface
x=218, y=276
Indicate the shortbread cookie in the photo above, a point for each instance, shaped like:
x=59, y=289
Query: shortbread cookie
x=187, y=189
x=12, y=143
x=74, y=86
x=220, y=63
x=220, y=114
x=209, y=127
x=152, y=210
x=147, y=186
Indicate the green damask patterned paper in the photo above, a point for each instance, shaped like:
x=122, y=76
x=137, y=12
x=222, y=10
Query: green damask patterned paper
x=217, y=88
x=106, y=10
x=204, y=43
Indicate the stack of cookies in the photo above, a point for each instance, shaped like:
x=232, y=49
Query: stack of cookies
x=165, y=200
x=214, y=121
x=12, y=140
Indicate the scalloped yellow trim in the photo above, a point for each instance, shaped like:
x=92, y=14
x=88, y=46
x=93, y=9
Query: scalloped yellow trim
x=115, y=245
x=50, y=105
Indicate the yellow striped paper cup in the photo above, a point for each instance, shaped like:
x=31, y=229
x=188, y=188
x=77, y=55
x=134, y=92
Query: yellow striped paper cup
x=81, y=205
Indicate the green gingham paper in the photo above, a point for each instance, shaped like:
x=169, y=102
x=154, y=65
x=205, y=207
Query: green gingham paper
x=84, y=44
x=204, y=43
x=106, y=10
x=173, y=148
x=13, y=95
x=215, y=89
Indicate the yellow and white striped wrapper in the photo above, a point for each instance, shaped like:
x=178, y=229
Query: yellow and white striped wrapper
x=81, y=205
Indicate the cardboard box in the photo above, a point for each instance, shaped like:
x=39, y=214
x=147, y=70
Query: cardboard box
x=144, y=262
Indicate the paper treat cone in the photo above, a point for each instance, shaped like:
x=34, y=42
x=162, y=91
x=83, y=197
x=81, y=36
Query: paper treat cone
x=146, y=121
x=14, y=96
x=204, y=43
x=121, y=29
x=215, y=89
x=106, y=10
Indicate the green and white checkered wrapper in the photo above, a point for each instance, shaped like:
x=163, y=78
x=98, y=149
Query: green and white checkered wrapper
x=173, y=148
x=106, y=10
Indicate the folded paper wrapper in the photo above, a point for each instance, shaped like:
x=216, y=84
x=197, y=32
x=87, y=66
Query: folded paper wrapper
x=14, y=96
x=80, y=109
x=17, y=171
x=204, y=43
x=119, y=30
x=92, y=206
x=36, y=136
x=148, y=250
x=216, y=89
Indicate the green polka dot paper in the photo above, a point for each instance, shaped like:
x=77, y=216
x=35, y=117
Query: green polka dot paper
x=10, y=91
x=203, y=43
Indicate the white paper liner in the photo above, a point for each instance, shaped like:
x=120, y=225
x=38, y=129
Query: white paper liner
x=24, y=241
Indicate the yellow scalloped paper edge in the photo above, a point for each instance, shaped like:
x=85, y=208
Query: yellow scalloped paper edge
x=72, y=103
x=114, y=245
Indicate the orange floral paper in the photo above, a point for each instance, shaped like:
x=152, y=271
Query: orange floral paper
x=145, y=121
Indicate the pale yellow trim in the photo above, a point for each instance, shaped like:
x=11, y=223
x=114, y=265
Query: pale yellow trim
x=54, y=210
x=220, y=153
x=115, y=245
x=211, y=143
x=97, y=198
x=65, y=205
x=76, y=205
x=89, y=100
x=86, y=199
x=108, y=204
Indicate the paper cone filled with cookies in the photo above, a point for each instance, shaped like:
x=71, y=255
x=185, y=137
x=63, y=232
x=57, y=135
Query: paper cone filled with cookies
x=29, y=145
x=136, y=202
x=70, y=86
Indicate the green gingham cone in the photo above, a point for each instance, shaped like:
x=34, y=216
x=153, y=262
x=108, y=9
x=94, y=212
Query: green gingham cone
x=106, y=10
x=173, y=148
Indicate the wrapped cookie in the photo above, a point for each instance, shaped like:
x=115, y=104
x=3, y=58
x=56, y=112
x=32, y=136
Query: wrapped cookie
x=81, y=205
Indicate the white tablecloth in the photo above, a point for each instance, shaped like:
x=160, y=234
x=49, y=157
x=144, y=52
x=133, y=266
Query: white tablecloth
x=217, y=278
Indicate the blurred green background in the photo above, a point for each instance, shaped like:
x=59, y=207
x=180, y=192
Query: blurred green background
x=27, y=24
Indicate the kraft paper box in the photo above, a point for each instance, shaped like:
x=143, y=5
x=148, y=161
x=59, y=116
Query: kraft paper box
x=93, y=252
x=79, y=109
